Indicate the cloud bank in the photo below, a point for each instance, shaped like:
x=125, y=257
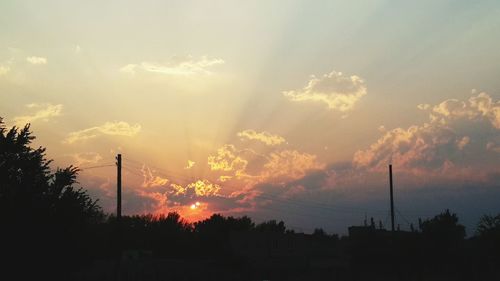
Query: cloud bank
x=463, y=133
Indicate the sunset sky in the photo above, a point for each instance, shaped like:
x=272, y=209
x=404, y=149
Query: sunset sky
x=285, y=110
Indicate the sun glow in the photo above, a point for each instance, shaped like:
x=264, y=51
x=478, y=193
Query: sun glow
x=195, y=206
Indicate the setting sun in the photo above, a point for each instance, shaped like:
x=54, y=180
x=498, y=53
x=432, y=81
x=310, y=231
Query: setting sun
x=195, y=205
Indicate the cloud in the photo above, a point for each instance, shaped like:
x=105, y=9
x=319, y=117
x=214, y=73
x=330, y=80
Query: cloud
x=150, y=180
x=187, y=65
x=142, y=201
x=44, y=112
x=289, y=165
x=423, y=106
x=227, y=160
x=190, y=164
x=4, y=70
x=36, y=60
x=492, y=146
x=84, y=158
x=265, y=137
x=247, y=168
x=477, y=107
x=109, y=128
x=204, y=188
x=463, y=142
x=337, y=91
x=457, y=133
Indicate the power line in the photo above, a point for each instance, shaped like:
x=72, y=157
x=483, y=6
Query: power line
x=132, y=171
x=320, y=205
x=161, y=171
x=404, y=218
x=95, y=167
x=136, y=172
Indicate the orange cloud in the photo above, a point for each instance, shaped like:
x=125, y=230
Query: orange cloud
x=265, y=137
x=150, y=180
x=227, y=160
x=289, y=165
x=204, y=188
x=190, y=164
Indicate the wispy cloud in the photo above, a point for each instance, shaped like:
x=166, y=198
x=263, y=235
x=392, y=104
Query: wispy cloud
x=4, y=70
x=265, y=137
x=44, y=112
x=120, y=128
x=36, y=60
x=84, y=158
x=187, y=65
x=337, y=91
x=190, y=164
x=151, y=180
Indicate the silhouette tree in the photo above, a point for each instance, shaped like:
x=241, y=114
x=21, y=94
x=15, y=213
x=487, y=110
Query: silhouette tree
x=271, y=226
x=319, y=232
x=488, y=231
x=42, y=214
x=489, y=226
x=444, y=227
x=443, y=239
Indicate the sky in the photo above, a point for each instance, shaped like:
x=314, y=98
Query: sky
x=288, y=110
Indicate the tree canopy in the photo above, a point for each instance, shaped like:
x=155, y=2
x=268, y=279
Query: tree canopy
x=43, y=214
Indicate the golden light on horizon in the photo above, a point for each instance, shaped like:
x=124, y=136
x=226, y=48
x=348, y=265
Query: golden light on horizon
x=195, y=205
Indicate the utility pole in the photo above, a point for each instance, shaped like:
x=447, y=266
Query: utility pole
x=118, y=214
x=118, y=187
x=392, y=198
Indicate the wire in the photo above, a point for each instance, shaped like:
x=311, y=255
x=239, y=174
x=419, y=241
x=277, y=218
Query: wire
x=95, y=167
x=404, y=218
x=320, y=205
x=132, y=171
x=136, y=172
x=164, y=172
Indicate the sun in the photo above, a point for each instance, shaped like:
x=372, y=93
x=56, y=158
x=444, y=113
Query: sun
x=195, y=205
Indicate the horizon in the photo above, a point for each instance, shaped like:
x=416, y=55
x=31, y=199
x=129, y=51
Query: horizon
x=286, y=110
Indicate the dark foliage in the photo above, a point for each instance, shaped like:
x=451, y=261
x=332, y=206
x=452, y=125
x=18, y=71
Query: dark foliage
x=44, y=218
